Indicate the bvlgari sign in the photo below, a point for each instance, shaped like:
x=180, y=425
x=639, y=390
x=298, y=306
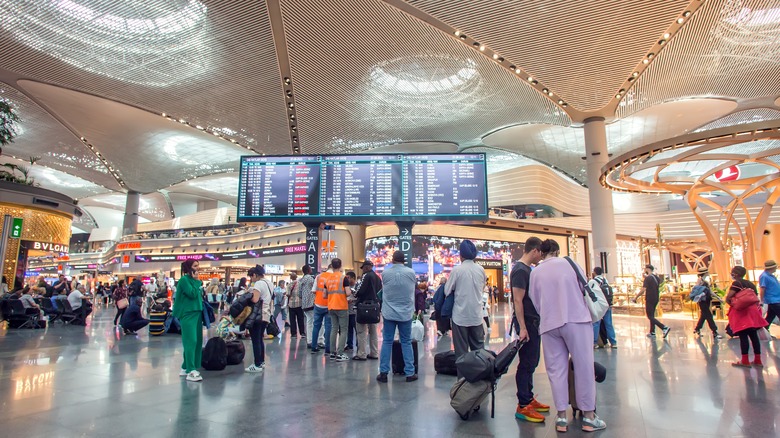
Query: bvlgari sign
x=45, y=246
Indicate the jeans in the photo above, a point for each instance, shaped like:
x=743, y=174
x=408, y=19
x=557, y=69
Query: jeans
x=405, y=334
x=339, y=321
x=610, y=328
x=258, y=348
x=320, y=314
x=278, y=310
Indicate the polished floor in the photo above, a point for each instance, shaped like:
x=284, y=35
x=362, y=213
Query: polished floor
x=91, y=381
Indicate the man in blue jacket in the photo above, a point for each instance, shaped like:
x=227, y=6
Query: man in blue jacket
x=443, y=307
x=132, y=320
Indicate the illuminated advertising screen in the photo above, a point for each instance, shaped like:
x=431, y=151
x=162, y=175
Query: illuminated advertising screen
x=363, y=188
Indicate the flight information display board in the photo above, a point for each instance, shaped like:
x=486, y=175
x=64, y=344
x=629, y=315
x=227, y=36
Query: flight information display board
x=363, y=188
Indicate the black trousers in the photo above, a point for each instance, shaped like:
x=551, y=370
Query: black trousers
x=746, y=337
x=443, y=324
x=528, y=360
x=706, y=315
x=650, y=311
x=119, y=313
x=352, y=329
x=467, y=339
x=258, y=348
x=772, y=311
x=297, y=321
x=136, y=325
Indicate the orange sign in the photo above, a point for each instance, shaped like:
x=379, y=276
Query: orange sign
x=329, y=245
x=128, y=245
x=125, y=259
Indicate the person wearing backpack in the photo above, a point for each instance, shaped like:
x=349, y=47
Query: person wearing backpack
x=600, y=282
x=651, y=290
x=565, y=325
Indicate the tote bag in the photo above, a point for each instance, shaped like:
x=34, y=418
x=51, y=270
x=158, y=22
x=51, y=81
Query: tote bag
x=594, y=297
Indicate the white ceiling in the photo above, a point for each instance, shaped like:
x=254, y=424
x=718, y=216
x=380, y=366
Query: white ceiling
x=512, y=79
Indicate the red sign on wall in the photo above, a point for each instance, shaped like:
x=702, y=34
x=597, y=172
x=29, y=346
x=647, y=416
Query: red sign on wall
x=730, y=173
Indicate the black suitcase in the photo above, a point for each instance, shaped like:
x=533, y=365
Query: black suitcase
x=444, y=363
x=398, y=358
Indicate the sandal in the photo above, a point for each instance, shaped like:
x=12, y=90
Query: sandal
x=739, y=363
x=561, y=424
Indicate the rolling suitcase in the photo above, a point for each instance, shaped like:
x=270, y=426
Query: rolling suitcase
x=398, y=357
x=444, y=363
x=467, y=397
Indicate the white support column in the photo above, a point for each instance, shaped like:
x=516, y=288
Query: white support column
x=601, y=211
x=130, y=225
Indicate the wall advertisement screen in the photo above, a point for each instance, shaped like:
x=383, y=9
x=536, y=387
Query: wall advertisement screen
x=365, y=188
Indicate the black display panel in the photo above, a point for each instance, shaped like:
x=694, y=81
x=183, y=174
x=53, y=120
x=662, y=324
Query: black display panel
x=363, y=188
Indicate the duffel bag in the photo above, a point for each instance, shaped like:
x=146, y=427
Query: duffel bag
x=235, y=352
x=467, y=397
x=477, y=365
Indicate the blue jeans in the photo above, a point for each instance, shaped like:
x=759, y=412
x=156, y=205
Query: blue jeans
x=319, y=315
x=610, y=328
x=388, y=333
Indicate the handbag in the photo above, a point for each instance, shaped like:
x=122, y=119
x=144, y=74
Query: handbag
x=745, y=298
x=367, y=312
x=594, y=297
x=122, y=304
x=272, y=329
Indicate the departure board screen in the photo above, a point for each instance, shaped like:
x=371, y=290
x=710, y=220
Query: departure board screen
x=363, y=188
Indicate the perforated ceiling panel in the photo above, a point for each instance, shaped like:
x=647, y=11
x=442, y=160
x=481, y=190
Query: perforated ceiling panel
x=222, y=187
x=55, y=180
x=742, y=118
x=148, y=151
x=582, y=50
x=39, y=135
x=151, y=206
x=212, y=63
x=728, y=48
x=373, y=75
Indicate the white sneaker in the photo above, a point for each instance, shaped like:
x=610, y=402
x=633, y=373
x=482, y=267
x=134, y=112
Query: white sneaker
x=182, y=372
x=194, y=376
x=254, y=368
x=593, y=425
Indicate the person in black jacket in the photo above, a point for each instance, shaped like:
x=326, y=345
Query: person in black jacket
x=133, y=320
x=367, y=288
x=443, y=323
x=135, y=288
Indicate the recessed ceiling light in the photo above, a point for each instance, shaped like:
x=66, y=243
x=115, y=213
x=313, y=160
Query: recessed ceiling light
x=463, y=37
x=667, y=35
x=687, y=14
x=482, y=48
x=645, y=61
x=457, y=33
x=680, y=20
x=544, y=90
x=495, y=56
x=517, y=70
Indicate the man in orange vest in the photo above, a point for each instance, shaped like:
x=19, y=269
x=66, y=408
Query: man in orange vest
x=337, y=290
x=321, y=312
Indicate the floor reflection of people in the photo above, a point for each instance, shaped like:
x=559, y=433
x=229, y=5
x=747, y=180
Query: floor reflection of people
x=714, y=381
x=659, y=379
x=756, y=411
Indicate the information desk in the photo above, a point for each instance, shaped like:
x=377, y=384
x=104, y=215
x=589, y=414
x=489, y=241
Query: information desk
x=400, y=187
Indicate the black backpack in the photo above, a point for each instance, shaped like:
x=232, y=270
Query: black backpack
x=235, y=352
x=606, y=288
x=240, y=304
x=214, y=355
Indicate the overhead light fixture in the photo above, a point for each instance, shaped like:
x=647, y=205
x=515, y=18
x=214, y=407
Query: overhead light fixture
x=667, y=35
x=463, y=37
x=517, y=71
x=457, y=33
x=544, y=90
x=530, y=79
x=680, y=20
x=287, y=81
x=495, y=56
x=482, y=48
x=645, y=61
x=687, y=14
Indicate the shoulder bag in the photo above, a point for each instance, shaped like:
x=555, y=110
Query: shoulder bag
x=745, y=298
x=594, y=298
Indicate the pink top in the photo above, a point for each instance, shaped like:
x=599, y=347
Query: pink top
x=556, y=294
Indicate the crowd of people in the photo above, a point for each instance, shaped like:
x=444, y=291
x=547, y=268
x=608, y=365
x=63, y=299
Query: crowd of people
x=329, y=308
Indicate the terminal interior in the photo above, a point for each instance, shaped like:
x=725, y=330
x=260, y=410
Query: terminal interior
x=630, y=134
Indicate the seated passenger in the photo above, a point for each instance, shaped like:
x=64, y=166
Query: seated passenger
x=78, y=302
x=132, y=320
x=28, y=302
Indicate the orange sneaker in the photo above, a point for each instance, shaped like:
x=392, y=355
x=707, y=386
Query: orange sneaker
x=528, y=413
x=538, y=407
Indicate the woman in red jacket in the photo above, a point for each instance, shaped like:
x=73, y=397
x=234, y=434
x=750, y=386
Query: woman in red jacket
x=745, y=322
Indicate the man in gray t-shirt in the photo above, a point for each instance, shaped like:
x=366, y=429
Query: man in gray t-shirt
x=467, y=281
x=398, y=282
